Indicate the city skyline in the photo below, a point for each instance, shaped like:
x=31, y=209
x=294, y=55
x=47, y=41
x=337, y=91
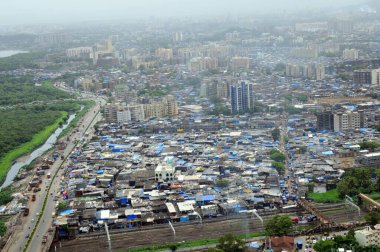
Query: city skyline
x=42, y=11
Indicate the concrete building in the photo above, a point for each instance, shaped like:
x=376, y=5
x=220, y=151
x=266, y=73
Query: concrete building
x=240, y=63
x=199, y=64
x=363, y=76
x=311, y=27
x=368, y=236
x=325, y=120
x=375, y=77
x=370, y=159
x=164, y=172
x=110, y=113
x=123, y=116
x=350, y=54
x=171, y=105
x=349, y=120
x=303, y=52
x=79, y=52
x=164, y=54
x=242, y=99
x=166, y=107
x=155, y=109
x=310, y=71
x=137, y=112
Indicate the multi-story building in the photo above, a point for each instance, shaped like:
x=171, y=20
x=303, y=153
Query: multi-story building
x=164, y=54
x=166, y=107
x=137, y=112
x=349, y=120
x=199, y=64
x=171, y=105
x=350, y=54
x=311, y=27
x=110, y=112
x=303, y=52
x=123, y=116
x=155, y=109
x=375, y=77
x=370, y=159
x=79, y=52
x=242, y=99
x=368, y=236
x=325, y=120
x=240, y=63
x=310, y=71
x=363, y=76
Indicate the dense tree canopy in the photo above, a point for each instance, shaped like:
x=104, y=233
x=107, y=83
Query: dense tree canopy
x=17, y=126
x=279, y=225
x=19, y=93
x=358, y=180
x=231, y=243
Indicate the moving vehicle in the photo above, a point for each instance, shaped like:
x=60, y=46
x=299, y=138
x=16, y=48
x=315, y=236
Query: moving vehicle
x=33, y=197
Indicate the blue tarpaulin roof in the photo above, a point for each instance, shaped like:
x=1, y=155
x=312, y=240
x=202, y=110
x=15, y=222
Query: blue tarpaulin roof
x=327, y=153
x=208, y=197
x=66, y=212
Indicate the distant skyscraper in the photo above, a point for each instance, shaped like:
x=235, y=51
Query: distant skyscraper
x=242, y=97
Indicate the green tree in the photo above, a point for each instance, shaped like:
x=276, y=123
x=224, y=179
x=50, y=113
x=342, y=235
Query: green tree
x=62, y=206
x=279, y=225
x=222, y=183
x=231, y=243
x=173, y=247
x=347, y=187
x=278, y=157
x=372, y=218
x=280, y=167
x=276, y=133
x=369, y=145
x=323, y=246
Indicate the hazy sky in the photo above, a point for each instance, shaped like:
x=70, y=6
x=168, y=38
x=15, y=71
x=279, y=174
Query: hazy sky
x=56, y=11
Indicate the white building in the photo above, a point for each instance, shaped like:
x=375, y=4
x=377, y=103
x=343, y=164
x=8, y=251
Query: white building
x=164, y=172
x=368, y=236
x=350, y=54
x=375, y=77
x=123, y=116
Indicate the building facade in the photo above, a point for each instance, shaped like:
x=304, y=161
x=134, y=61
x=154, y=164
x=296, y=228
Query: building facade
x=242, y=97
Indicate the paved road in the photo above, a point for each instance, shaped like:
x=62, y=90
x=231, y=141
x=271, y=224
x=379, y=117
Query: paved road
x=20, y=238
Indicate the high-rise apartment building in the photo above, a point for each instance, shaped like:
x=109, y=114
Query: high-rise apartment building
x=375, y=77
x=350, y=54
x=363, y=76
x=349, y=120
x=325, y=120
x=242, y=99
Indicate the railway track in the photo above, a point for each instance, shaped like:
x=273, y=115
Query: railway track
x=211, y=228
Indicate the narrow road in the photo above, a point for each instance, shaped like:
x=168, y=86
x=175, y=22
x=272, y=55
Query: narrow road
x=19, y=239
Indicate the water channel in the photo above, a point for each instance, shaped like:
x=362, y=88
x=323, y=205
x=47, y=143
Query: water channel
x=27, y=159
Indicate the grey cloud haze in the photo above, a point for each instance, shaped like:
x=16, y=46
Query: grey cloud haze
x=42, y=11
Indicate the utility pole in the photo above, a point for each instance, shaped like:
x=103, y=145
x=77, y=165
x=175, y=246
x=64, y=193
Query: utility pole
x=108, y=237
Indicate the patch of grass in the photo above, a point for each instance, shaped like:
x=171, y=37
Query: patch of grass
x=374, y=196
x=3, y=228
x=188, y=244
x=331, y=196
x=37, y=140
x=6, y=196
